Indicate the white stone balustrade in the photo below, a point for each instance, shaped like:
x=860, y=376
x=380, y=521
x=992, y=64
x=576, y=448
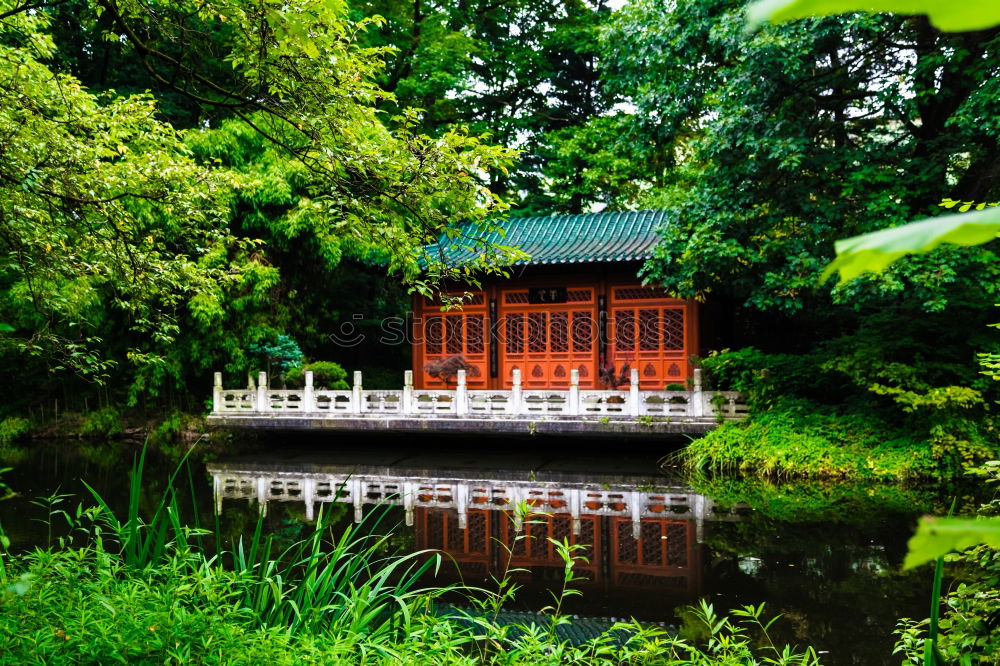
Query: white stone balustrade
x=461, y=402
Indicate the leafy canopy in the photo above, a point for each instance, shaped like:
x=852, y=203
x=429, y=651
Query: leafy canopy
x=116, y=219
x=875, y=251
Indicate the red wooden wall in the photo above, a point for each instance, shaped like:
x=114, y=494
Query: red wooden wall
x=642, y=329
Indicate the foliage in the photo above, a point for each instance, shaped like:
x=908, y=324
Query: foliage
x=109, y=223
x=938, y=536
x=326, y=375
x=793, y=109
x=815, y=501
x=967, y=625
x=526, y=73
x=805, y=439
x=874, y=252
x=960, y=16
x=129, y=262
x=13, y=428
x=104, y=422
x=282, y=353
x=871, y=403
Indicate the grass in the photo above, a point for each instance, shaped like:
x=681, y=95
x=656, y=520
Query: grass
x=789, y=444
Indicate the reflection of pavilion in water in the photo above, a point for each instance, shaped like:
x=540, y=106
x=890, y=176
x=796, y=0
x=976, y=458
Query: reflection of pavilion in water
x=666, y=556
x=635, y=533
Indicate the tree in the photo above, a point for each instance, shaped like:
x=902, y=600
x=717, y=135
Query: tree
x=117, y=235
x=778, y=143
x=525, y=73
x=875, y=251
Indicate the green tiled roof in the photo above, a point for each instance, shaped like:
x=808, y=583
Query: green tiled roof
x=574, y=239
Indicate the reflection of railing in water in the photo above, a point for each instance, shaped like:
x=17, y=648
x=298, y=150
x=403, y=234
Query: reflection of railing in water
x=571, y=501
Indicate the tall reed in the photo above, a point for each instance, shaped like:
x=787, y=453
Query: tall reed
x=324, y=582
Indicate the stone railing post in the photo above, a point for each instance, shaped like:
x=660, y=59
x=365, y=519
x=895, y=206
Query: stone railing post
x=515, y=392
x=217, y=393
x=356, y=405
x=309, y=497
x=633, y=393
x=407, y=406
x=461, y=394
x=308, y=398
x=697, y=405
x=573, y=402
x=262, y=386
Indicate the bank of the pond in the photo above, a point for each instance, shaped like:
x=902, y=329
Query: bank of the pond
x=789, y=441
x=110, y=432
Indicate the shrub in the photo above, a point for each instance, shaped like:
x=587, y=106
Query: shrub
x=105, y=422
x=13, y=428
x=326, y=375
x=798, y=438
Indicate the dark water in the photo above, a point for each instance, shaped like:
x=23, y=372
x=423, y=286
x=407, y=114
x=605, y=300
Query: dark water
x=827, y=558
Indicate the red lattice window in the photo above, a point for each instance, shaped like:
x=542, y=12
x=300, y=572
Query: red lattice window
x=435, y=530
x=456, y=537
x=579, y=295
x=626, y=544
x=515, y=297
x=538, y=532
x=624, y=330
x=433, y=335
x=638, y=293
x=649, y=330
x=652, y=548
x=537, y=333
x=477, y=531
x=677, y=551
x=453, y=331
x=561, y=527
x=673, y=328
x=474, y=343
x=559, y=332
x=514, y=329
x=587, y=537
x=583, y=332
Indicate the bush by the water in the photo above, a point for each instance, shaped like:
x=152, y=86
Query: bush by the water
x=797, y=439
x=326, y=375
x=104, y=422
x=851, y=408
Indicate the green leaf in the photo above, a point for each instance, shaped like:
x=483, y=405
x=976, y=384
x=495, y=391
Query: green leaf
x=874, y=251
x=952, y=16
x=938, y=536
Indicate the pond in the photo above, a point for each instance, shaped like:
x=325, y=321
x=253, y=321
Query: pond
x=825, y=557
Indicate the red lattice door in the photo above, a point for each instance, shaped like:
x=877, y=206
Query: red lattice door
x=448, y=335
x=663, y=557
x=649, y=332
x=547, y=341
